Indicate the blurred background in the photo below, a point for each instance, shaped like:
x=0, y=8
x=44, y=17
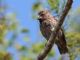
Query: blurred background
x=20, y=36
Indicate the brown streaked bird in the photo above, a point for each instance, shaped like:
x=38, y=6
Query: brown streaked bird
x=47, y=25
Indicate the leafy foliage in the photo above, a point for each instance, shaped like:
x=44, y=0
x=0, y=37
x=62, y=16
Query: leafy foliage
x=24, y=30
x=37, y=6
x=73, y=39
x=54, y=4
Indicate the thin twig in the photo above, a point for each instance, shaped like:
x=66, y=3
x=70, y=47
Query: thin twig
x=50, y=42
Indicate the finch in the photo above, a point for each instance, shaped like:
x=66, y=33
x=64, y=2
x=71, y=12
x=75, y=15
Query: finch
x=47, y=25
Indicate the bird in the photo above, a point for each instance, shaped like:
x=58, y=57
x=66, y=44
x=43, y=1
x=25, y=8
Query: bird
x=47, y=26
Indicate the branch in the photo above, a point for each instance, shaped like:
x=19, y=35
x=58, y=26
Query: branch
x=50, y=42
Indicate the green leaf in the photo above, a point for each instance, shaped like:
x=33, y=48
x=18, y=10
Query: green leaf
x=36, y=6
x=52, y=53
x=53, y=4
x=23, y=48
x=36, y=48
x=26, y=39
x=13, y=26
x=24, y=30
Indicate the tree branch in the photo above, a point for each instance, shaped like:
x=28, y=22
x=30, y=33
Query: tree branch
x=50, y=42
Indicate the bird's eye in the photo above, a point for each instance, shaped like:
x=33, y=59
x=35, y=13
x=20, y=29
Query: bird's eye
x=42, y=14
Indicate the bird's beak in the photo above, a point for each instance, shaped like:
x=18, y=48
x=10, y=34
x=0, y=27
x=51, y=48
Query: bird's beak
x=39, y=18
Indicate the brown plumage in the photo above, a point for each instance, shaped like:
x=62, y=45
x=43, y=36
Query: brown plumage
x=47, y=25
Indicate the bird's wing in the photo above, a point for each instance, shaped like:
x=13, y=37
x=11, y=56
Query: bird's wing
x=61, y=42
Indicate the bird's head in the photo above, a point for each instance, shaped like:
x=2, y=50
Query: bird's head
x=42, y=15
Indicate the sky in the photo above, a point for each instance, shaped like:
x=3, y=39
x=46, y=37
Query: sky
x=23, y=10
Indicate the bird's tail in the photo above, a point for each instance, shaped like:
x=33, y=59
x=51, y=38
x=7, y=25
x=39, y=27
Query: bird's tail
x=62, y=46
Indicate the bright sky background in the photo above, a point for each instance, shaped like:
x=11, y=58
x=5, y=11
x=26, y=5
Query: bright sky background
x=23, y=10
